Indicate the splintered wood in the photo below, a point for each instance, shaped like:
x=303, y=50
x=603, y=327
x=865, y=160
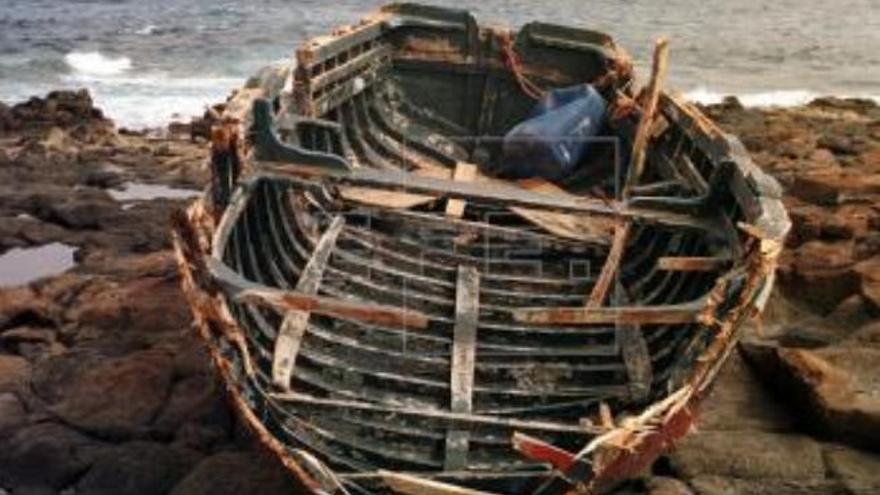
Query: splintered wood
x=464, y=172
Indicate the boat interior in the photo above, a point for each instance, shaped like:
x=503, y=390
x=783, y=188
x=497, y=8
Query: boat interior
x=542, y=305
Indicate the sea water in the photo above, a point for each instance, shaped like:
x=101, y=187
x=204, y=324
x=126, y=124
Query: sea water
x=148, y=62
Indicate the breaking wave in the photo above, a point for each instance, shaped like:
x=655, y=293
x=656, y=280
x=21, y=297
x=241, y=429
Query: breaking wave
x=776, y=98
x=96, y=64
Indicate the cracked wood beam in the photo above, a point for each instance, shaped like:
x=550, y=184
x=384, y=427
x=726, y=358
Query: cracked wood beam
x=464, y=172
x=612, y=263
x=295, y=322
x=643, y=132
x=538, y=450
x=464, y=347
x=671, y=314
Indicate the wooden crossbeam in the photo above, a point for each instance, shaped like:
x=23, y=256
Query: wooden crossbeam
x=642, y=315
x=692, y=263
x=242, y=290
x=464, y=345
x=494, y=193
x=294, y=325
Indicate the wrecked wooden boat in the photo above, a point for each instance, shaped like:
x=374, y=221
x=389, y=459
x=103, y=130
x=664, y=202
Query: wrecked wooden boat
x=390, y=315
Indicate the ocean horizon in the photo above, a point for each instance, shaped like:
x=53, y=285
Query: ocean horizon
x=149, y=63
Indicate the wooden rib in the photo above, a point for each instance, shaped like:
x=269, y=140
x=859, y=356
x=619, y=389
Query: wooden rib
x=407, y=484
x=294, y=325
x=612, y=264
x=378, y=314
x=643, y=132
x=438, y=414
x=464, y=343
x=634, y=351
x=464, y=172
x=692, y=263
x=672, y=314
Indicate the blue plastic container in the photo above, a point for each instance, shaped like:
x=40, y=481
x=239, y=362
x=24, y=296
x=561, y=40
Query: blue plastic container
x=557, y=134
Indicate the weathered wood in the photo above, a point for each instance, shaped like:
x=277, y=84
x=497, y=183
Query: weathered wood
x=612, y=264
x=576, y=227
x=294, y=325
x=378, y=314
x=463, y=420
x=649, y=108
x=692, y=263
x=464, y=346
x=634, y=351
x=492, y=193
x=387, y=199
x=538, y=450
x=464, y=172
x=642, y=315
x=407, y=484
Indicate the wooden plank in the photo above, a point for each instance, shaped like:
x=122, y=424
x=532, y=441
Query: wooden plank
x=387, y=199
x=612, y=263
x=464, y=172
x=672, y=314
x=407, y=484
x=576, y=227
x=295, y=322
x=692, y=263
x=464, y=345
x=634, y=351
x=649, y=108
x=378, y=314
x=538, y=450
x=490, y=193
x=243, y=290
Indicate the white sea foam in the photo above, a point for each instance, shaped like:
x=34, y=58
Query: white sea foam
x=148, y=29
x=96, y=64
x=775, y=98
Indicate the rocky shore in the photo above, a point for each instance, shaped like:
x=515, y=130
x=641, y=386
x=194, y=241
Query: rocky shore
x=105, y=390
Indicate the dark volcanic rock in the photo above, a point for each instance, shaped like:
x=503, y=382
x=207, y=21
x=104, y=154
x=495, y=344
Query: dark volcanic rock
x=234, y=473
x=137, y=468
x=119, y=397
x=46, y=455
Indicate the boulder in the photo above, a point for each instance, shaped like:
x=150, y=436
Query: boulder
x=719, y=485
x=46, y=455
x=835, y=389
x=748, y=455
x=859, y=471
x=137, y=468
x=820, y=274
x=118, y=397
x=15, y=371
x=12, y=413
x=237, y=472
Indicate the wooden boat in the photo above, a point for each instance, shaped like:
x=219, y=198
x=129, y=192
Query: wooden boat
x=389, y=317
